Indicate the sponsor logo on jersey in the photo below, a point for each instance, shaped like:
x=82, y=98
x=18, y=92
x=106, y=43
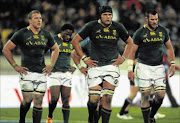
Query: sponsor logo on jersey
x=65, y=50
x=145, y=36
x=42, y=37
x=114, y=32
x=29, y=38
x=35, y=43
x=160, y=34
x=64, y=44
x=106, y=30
x=35, y=36
x=152, y=33
x=105, y=37
x=98, y=31
x=152, y=40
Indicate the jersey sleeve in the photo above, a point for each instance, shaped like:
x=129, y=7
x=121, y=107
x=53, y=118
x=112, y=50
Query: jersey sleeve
x=85, y=46
x=15, y=37
x=166, y=35
x=136, y=37
x=124, y=35
x=84, y=32
x=51, y=40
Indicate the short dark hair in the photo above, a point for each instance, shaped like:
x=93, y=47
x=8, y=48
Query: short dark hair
x=104, y=9
x=32, y=12
x=67, y=26
x=151, y=11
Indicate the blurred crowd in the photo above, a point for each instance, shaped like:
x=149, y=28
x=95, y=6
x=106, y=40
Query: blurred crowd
x=13, y=15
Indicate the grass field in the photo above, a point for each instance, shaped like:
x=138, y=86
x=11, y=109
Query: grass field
x=79, y=115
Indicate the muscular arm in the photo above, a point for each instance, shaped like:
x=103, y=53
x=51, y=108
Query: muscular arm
x=132, y=57
x=128, y=48
x=133, y=52
x=170, y=50
x=7, y=51
x=55, y=53
x=170, y=53
x=76, y=60
x=75, y=57
x=75, y=43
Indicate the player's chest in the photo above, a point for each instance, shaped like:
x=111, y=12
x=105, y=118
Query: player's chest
x=105, y=34
x=65, y=47
x=155, y=37
x=35, y=40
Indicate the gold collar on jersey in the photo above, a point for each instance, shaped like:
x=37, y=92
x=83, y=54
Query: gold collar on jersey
x=106, y=29
x=29, y=28
x=152, y=32
x=60, y=36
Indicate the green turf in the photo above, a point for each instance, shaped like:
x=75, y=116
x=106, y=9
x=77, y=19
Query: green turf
x=79, y=115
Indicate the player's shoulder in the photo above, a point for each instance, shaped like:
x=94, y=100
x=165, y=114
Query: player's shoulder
x=162, y=28
x=56, y=36
x=140, y=29
x=22, y=30
x=45, y=31
x=117, y=23
x=92, y=23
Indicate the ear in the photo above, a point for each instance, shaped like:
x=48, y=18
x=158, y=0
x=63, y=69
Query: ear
x=29, y=20
x=146, y=19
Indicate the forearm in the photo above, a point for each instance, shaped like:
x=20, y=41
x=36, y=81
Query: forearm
x=75, y=57
x=54, y=56
x=170, y=53
x=170, y=50
x=76, y=45
x=128, y=48
x=9, y=56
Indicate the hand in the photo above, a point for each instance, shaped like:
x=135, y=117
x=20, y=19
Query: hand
x=47, y=70
x=118, y=61
x=21, y=70
x=131, y=76
x=172, y=70
x=84, y=70
x=91, y=63
x=72, y=69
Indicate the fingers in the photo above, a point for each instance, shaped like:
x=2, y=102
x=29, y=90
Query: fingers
x=114, y=60
x=91, y=63
x=171, y=73
x=21, y=70
x=47, y=70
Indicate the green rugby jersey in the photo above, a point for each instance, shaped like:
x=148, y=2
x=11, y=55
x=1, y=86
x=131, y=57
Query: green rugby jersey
x=104, y=40
x=33, y=47
x=86, y=47
x=65, y=49
x=150, y=44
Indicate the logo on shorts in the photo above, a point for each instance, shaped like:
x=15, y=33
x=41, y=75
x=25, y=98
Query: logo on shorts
x=116, y=81
x=164, y=81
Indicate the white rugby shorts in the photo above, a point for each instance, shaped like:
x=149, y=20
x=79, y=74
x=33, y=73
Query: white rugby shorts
x=60, y=78
x=33, y=82
x=146, y=75
x=109, y=73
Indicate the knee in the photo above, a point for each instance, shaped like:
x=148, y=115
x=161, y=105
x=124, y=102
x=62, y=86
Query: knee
x=54, y=99
x=65, y=101
x=92, y=103
x=159, y=99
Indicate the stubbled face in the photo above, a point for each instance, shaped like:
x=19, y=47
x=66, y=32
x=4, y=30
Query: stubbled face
x=36, y=20
x=66, y=35
x=152, y=21
x=106, y=18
